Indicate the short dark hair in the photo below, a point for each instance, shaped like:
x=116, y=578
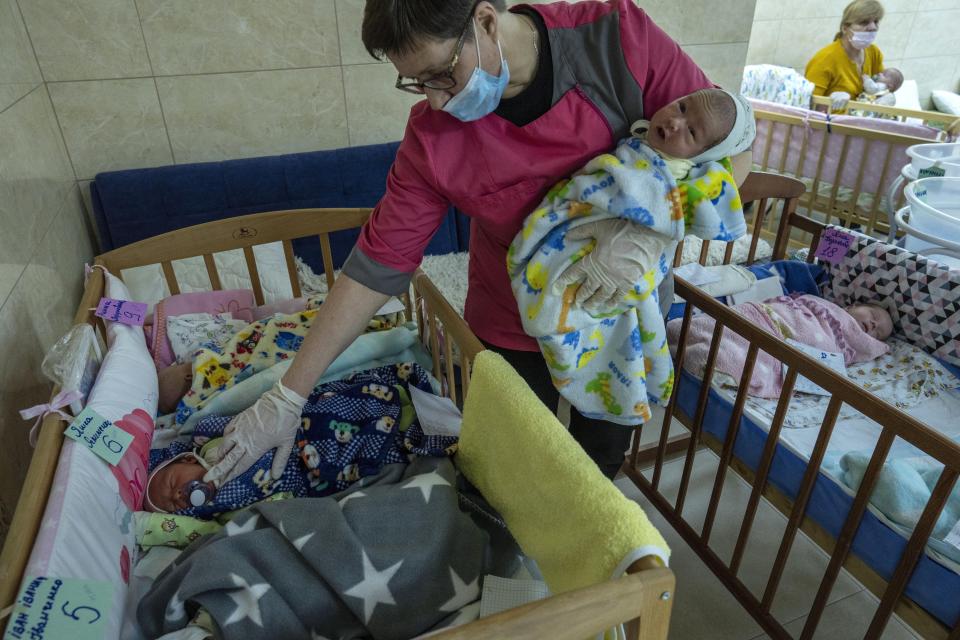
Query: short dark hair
x=398, y=26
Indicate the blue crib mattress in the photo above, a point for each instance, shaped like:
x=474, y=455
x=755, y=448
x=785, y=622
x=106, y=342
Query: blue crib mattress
x=933, y=586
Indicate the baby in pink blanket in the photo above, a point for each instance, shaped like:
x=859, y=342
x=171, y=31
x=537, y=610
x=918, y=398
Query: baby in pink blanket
x=856, y=332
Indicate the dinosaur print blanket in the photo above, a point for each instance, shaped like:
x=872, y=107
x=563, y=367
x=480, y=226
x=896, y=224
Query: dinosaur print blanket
x=612, y=367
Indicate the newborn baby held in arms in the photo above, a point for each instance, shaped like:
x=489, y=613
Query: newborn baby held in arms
x=606, y=349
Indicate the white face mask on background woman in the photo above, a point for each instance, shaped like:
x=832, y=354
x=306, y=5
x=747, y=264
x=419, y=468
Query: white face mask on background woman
x=862, y=39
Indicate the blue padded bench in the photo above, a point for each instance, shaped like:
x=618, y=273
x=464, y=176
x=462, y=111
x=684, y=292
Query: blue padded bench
x=134, y=204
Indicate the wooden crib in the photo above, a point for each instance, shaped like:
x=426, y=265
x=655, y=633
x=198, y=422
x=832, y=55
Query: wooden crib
x=848, y=165
x=642, y=599
x=645, y=464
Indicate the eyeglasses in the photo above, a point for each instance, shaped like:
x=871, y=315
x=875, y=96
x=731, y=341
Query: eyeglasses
x=441, y=81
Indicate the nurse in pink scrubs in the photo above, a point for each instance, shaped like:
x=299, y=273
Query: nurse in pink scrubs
x=514, y=100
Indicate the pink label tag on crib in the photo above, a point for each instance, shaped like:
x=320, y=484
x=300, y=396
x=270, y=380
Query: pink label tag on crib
x=124, y=311
x=834, y=245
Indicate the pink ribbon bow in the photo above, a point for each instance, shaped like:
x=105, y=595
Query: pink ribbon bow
x=55, y=405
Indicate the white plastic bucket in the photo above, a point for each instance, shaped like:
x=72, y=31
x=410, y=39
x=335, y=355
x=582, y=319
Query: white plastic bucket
x=934, y=210
x=941, y=160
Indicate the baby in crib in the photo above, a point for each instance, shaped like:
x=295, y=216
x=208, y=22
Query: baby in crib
x=349, y=430
x=185, y=388
x=881, y=87
x=672, y=176
x=857, y=332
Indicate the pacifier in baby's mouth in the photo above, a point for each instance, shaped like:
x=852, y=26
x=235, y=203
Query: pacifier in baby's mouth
x=198, y=493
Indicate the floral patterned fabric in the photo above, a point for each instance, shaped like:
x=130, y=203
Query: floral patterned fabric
x=905, y=377
x=776, y=84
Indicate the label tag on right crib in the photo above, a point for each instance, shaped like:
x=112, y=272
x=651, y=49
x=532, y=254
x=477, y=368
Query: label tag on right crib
x=834, y=245
x=50, y=607
x=828, y=358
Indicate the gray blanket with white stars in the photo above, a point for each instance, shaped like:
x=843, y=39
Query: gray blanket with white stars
x=390, y=559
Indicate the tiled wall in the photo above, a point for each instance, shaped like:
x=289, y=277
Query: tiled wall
x=44, y=241
x=94, y=85
x=920, y=37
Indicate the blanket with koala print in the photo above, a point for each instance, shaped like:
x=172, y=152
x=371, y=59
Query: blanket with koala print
x=349, y=430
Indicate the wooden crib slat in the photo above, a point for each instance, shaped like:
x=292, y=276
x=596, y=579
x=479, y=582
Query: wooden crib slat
x=911, y=554
x=815, y=189
x=814, y=243
x=858, y=187
x=883, y=180
x=704, y=252
x=701, y=412
x=327, y=253
x=464, y=375
x=292, y=268
x=212, y=272
x=728, y=252
x=254, y=274
x=832, y=206
x=434, y=344
x=786, y=148
x=845, y=540
x=668, y=413
x=170, y=276
x=763, y=469
x=800, y=502
x=804, y=140
x=418, y=307
x=783, y=233
x=451, y=378
x=733, y=428
x=758, y=216
x=765, y=163
x=678, y=255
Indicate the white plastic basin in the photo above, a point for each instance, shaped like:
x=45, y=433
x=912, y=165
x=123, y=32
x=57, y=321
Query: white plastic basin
x=935, y=160
x=934, y=210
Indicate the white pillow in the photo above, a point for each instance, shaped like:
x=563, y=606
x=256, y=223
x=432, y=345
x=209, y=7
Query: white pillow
x=91, y=503
x=947, y=102
x=147, y=284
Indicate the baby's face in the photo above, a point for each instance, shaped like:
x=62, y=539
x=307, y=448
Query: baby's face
x=892, y=78
x=873, y=320
x=166, y=486
x=686, y=127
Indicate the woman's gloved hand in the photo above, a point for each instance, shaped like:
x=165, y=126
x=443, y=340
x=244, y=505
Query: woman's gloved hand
x=839, y=100
x=271, y=423
x=624, y=251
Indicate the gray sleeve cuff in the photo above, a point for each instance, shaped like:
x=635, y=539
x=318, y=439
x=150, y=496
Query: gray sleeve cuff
x=374, y=275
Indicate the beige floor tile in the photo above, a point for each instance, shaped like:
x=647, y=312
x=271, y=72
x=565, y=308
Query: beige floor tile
x=850, y=618
x=806, y=562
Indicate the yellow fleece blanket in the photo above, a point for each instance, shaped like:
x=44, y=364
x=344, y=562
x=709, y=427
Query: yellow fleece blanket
x=564, y=513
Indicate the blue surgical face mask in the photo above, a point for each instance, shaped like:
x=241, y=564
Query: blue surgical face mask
x=482, y=93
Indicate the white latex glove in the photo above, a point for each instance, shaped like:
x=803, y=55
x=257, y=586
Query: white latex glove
x=623, y=253
x=839, y=100
x=271, y=423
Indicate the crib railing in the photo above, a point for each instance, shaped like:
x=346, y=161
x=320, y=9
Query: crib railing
x=947, y=123
x=893, y=424
x=839, y=175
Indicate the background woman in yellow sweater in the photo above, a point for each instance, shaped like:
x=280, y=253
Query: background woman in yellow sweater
x=837, y=70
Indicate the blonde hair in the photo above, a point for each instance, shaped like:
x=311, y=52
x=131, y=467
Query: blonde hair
x=860, y=11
